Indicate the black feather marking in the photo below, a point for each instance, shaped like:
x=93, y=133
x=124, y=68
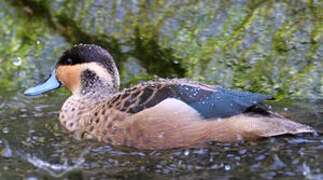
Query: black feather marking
x=160, y=95
x=89, y=80
x=147, y=92
x=258, y=109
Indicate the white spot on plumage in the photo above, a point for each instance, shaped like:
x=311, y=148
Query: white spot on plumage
x=219, y=119
x=161, y=135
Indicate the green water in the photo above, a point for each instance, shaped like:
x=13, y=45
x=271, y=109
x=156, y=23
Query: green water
x=266, y=46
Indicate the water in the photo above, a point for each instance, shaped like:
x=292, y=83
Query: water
x=34, y=144
x=267, y=47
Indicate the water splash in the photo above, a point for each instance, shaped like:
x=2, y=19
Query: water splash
x=58, y=170
x=278, y=163
x=6, y=152
x=227, y=167
x=186, y=152
x=308, y=174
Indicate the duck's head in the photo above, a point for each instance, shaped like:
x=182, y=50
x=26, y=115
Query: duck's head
x=82, y=69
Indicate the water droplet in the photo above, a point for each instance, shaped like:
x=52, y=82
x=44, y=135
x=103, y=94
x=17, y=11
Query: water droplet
x=200, y=151
x=37, y=42
x=306, y=169
x=6, y=152
x=17, y=61
x=227, y=167
x=180, y=162
x=242, y=151
x=5, y=130
x=278, y=163
x=175, y=62
x=186, y=152
x=239, y=137
x=31, y=178
x=211, y=159
x=215, y=166
x=285, y=109
x=315, y=133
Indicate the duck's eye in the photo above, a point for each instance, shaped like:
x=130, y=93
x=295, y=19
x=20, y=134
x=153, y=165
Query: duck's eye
x=69, y=61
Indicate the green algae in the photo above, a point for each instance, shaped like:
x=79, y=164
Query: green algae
x=218, y=42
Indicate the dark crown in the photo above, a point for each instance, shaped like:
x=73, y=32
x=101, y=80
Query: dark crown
x=86, y=53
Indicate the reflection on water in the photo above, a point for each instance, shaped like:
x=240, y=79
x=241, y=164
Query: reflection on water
x=270, y=47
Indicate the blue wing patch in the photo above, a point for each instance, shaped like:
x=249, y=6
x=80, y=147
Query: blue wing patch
x=225, y=103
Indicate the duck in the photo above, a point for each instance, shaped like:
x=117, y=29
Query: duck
x=158, y=114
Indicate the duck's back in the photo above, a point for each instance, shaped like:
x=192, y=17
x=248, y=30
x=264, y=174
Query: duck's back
x=209, y=101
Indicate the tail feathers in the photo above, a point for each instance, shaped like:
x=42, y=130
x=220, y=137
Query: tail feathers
x=278, y=125
x=247, y=127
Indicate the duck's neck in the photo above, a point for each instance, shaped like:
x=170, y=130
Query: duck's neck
x=77, y=108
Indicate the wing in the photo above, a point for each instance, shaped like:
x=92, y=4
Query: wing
x=209, y=101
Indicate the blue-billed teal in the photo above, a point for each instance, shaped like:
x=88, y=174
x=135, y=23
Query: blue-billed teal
x=160, y=114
